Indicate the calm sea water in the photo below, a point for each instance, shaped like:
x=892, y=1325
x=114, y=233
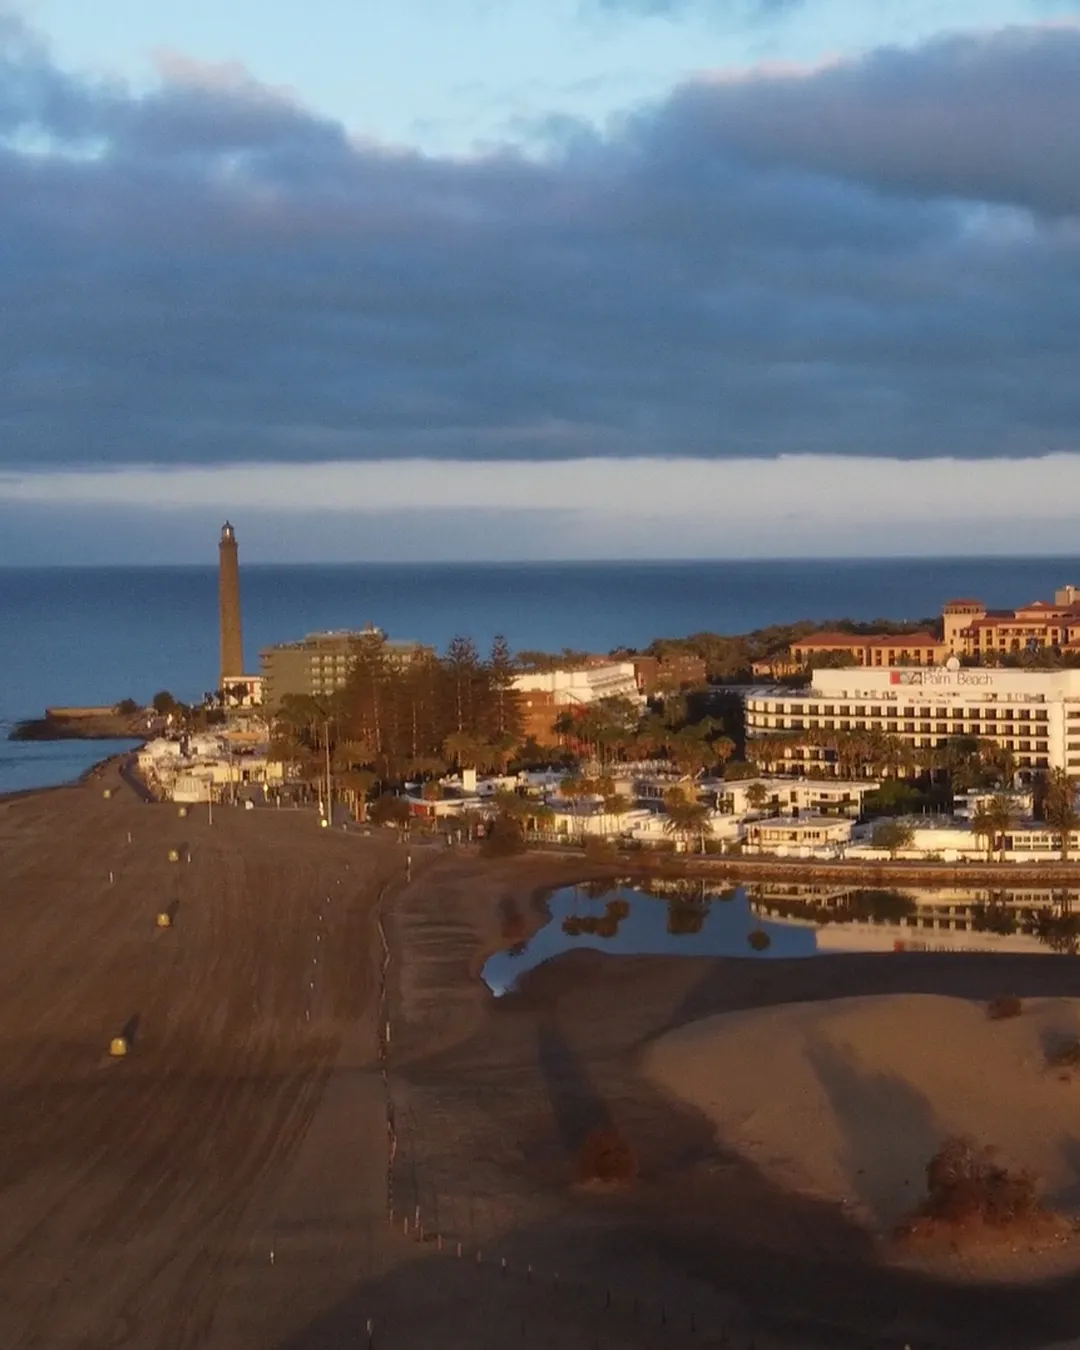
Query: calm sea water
x=96, y=635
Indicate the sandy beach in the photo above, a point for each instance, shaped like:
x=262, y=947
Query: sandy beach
x=228, y=1183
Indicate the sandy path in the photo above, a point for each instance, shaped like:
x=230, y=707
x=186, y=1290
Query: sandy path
x=136, y=1196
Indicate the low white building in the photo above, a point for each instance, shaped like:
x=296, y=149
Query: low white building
x=792, y=796
x=589, y=684
x=802, y=837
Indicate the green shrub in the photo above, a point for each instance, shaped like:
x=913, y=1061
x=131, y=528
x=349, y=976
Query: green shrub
x=759, y=940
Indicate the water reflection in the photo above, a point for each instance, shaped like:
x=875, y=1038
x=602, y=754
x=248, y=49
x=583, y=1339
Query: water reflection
x=681, y=916
x=624, y=919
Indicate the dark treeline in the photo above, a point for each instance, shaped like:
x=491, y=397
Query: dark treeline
x=412, y=717
x=731, y=657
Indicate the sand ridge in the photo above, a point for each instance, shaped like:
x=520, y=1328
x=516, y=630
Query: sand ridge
x=847, y=1099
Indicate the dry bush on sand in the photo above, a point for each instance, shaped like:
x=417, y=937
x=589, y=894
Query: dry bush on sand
x=1006, y=1005
x=607, y=1157
x=1064, y=1055
x=969, y=1189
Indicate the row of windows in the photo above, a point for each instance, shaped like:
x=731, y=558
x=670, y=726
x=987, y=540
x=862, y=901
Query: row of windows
x=894, y=710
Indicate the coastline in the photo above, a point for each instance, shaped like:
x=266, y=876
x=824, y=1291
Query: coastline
x=98, y=769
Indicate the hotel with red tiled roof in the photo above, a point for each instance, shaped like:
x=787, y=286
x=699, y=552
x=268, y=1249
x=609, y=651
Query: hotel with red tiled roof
x=889, y=649
x=970, y=629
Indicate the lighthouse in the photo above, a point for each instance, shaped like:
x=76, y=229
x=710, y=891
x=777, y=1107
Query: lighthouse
x=232, y=644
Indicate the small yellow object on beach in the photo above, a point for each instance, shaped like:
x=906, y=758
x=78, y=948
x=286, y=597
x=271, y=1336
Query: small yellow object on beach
x=182, y=813
x=107, y=793
x=118, y=1047
x=164, y=919
x=174, y=855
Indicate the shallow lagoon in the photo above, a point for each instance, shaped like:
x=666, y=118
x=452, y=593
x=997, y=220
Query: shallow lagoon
x=624, y=920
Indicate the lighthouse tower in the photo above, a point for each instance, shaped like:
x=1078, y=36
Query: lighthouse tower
x=232, y=645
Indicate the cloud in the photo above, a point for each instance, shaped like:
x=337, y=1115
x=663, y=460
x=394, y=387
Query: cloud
x=210, y=273
x=424, y=509
x=991, y=117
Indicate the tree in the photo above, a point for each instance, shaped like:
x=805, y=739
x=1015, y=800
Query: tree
x=983, y=826
x=389, y=809
x=757, y=795
x=127, y=707
x=357, y=784
x=892, y=835
x=687, y=820
x=1060, y=809
x=1001, y=813
x=163, y=703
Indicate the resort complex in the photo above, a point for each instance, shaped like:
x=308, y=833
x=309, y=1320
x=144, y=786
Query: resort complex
x=883, y=746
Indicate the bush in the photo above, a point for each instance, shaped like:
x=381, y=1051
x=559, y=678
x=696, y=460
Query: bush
x=598, y=850
x=1065, y=1055
x=1006, y=1005
x=607, y=1157
x=966, y=1183
x=759, y=940
x=127, y=707
x=504, y=838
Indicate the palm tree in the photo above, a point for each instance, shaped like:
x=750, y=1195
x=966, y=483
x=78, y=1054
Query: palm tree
x=357, y=785
x=687, y=820
x=1060, y=809
x=617, y=804
x=983, y=826
x=1001, y=810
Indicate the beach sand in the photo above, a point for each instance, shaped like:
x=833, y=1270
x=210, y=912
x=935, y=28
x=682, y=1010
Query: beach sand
x=846, y=1100
x=225, y=1184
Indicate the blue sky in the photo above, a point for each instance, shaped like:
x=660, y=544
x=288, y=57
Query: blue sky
x=450, y=75
x=457, y=278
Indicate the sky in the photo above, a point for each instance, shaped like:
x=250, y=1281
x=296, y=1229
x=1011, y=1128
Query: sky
x=538, y=278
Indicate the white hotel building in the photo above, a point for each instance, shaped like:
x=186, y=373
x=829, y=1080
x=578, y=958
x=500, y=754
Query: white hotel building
x=1034, y=714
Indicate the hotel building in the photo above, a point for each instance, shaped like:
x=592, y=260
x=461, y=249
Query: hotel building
x=890, y=649
x=321, y=663
x=970, y=629
x=1033, y=714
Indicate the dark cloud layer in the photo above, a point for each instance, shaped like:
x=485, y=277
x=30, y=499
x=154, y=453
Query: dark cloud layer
x=881, y=257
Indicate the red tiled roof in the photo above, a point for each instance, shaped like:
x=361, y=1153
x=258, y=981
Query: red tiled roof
x=963, y=602
x=905, y=640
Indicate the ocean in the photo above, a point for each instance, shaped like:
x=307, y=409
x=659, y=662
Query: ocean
x=97, y=635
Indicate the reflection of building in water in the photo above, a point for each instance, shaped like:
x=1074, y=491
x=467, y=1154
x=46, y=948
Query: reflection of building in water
x=986, y=910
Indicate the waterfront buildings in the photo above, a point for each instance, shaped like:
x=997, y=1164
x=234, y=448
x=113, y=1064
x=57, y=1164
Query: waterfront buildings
x=320, y=664
x=659, y=675
x=972, y=630
x=891, y=649
x=546, y=694
x=1034, y=714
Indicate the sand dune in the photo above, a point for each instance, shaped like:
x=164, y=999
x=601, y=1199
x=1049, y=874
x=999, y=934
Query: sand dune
x=848, y=1099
